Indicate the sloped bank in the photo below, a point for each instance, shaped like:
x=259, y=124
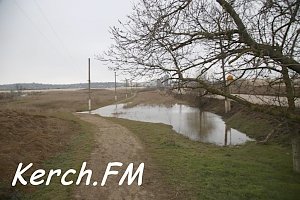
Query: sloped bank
x=263, y=127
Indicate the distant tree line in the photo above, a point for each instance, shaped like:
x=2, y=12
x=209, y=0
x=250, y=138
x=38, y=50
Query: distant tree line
x=40, y=86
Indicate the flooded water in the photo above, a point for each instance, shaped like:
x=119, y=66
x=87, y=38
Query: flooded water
x=188, y=121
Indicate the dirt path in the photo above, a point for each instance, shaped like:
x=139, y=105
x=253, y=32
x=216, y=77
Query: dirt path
x=115, y=143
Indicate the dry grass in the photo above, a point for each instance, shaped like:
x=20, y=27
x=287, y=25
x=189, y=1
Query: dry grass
x=26, y=138
x=62, y=100
x=40, y=126
x=33, y=126
x=154, y=98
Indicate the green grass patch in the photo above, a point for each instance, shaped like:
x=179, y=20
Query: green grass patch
x=253, y=125
x=203, y=171
x=77, y=151
x=258, y=126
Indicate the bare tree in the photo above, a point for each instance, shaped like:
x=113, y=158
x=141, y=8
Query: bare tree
x=186, y=39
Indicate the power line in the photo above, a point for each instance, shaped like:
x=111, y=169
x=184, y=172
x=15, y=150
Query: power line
x=52, y=29
x=35, y=26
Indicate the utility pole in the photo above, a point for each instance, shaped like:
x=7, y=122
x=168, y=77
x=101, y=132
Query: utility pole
x=225, y=88
x=126, y=87
x=131, y=88
x=116, y=86
x=89, y=66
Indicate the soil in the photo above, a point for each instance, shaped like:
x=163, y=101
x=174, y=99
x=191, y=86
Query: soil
x=28, y=138
x=114, y=143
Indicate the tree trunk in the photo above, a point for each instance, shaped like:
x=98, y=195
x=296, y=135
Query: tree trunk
x=289, y=89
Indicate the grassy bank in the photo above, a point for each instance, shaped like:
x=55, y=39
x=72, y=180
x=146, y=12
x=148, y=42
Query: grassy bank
x=74, y=149
x=202, y=171
x=40, y=128
x=257, y=125
x=76, y=152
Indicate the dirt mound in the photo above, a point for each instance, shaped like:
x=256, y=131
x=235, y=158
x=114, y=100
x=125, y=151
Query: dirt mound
x=29, y=138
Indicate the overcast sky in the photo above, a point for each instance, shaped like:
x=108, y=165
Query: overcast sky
x=49, y=41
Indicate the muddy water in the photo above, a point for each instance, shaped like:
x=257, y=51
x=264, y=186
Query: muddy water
x=188, y=121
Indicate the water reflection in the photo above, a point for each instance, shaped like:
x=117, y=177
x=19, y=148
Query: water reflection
x=191, y=122
x=227, y=134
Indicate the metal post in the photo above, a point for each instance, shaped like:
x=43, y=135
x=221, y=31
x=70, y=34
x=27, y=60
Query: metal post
x=90, y=104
